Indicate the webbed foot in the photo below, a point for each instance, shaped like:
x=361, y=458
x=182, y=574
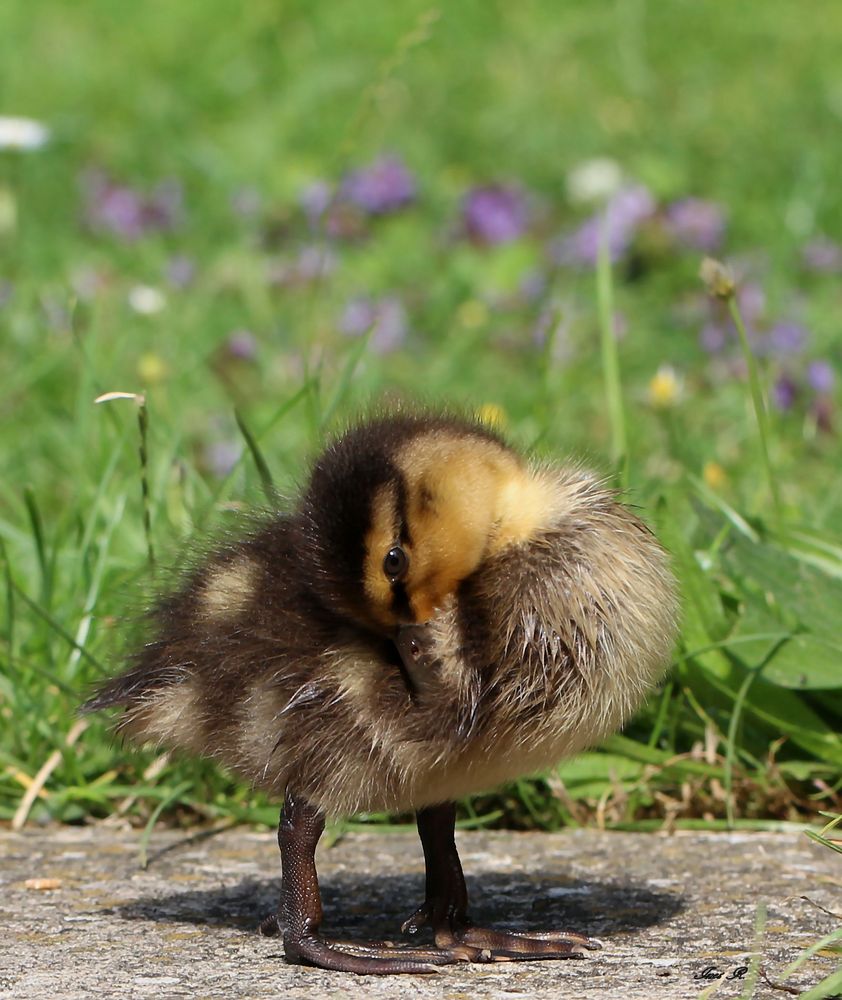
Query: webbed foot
x=445, y=908
x=489, y=945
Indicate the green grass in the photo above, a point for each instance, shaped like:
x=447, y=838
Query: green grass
x=734, y=103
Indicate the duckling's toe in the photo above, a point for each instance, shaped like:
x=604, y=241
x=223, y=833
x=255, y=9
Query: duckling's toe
x=502, y=946
x=371, y=958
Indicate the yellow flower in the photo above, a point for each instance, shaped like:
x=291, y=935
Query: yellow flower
x=493, y=415
x=714, y=475
x=151, y=368
x=472, y=314
x=664, y=388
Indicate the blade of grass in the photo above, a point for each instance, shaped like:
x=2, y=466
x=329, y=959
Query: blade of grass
x=811, y=950
x=143, y=455
x=420, y=33
x=757, y=400
x=37, y=526
x=733, y=725
x=176, y=793
x=44, y=772
x=96, y=581
x=259, y=461
x=33, y=667
x=276, y=417
x=712, y=499
x=830, y=986
x=57, y=628
x=822, y=838
x=712, y=825
x=344, y=381
x=10, y=599
x=663, y=707
x=626, y=747
x=750, y=981
x=721, y=284
x=103, y=482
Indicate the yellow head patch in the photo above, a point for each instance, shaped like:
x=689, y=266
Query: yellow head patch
x=460, y=499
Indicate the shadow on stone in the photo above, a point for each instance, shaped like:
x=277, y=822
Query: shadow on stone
x=369, y=907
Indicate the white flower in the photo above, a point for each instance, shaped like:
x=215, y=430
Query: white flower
x=594, y=181
x=24, y=134
x=146, y=300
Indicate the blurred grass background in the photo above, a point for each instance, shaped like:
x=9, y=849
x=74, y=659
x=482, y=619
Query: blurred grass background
x=195, y=230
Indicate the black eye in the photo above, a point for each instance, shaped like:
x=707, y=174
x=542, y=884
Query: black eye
x=396, y=563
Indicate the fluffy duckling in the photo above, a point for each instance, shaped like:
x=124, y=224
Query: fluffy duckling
x=435, y=617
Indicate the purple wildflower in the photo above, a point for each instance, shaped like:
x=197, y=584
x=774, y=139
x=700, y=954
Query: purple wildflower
x=221, y=457
x=533, y=286
x=622, y=216
x=821, y=377
x=343, y=221
x=555, y=323
x=315, y=262
x=242, y=345
x=391, y=328
x=88, y=282
x=696, y=224
x=630, y=207
x=713, y=338
x=784, y=392
x=127, y=213
x=383, y=187
x=315, y=200
x=56, y=313
x=494, y=214
x=358, y=317
x=752, y=302
x=180, y=271
x=386, y=319
x=786, y=338
x=823, y=255
x=246, y=203
x=312, y=264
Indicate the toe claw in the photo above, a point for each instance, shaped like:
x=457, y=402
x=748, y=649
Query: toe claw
x=415, y=921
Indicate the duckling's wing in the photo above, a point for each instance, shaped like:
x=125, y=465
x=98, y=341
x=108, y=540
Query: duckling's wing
x=244, y=601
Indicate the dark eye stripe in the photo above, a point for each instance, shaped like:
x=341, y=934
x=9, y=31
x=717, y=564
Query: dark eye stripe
x=400, y=510
x=400, y=601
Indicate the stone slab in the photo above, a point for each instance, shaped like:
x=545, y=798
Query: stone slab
x=668, y=909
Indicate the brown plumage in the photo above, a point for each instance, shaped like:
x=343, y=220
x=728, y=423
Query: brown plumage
x=435, y=617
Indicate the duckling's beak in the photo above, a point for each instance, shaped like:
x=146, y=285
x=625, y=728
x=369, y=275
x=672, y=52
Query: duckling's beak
x=415, y=646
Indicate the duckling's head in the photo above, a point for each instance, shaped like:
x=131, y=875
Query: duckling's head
x=399, y=511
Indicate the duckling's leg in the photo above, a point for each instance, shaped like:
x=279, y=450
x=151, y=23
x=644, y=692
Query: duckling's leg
x=446, y=905
x=300, y=913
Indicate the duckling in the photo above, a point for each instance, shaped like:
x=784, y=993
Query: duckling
x=436, y=616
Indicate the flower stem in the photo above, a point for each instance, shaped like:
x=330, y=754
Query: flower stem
x=757, y=399
x=143, y=455
x=611, y=359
